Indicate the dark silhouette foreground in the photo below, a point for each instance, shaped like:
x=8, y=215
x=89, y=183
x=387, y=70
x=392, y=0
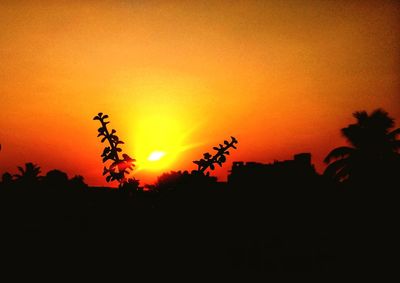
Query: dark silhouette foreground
x=268, y=217
x=277, y=221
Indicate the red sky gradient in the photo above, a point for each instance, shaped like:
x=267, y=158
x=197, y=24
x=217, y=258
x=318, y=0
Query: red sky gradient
x=181, y=76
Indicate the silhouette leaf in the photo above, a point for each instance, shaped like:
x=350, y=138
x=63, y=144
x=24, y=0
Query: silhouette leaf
x=338, y=152
x=127, y=158
x=207, y=155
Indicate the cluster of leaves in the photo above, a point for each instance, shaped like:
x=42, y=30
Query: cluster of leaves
x=120, y=166
x=374, y=148
x=29, y=174
x=218, y=158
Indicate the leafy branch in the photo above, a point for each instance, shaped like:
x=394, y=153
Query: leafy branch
x=218, y=158
x=120, y=165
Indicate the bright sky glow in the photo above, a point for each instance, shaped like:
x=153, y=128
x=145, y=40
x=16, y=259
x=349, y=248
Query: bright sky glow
x=179, y=77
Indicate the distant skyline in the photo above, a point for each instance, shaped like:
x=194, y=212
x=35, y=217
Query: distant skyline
x=179, y=77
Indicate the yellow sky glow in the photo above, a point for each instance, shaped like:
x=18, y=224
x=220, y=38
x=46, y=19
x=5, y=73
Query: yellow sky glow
x=181, y=76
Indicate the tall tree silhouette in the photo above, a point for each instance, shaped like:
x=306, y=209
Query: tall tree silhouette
x=374, y=148
x=28, y=174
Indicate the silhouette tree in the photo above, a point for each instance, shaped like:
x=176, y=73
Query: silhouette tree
x=171, y=180
x=30, y=174
x=218, y=158
x=78, y=182
x=183, y=180
x=56, y=178
x=120, y=166
x=374, y=148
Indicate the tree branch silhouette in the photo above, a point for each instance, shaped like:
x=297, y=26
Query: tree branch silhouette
x=120, y=166
x=218, y=158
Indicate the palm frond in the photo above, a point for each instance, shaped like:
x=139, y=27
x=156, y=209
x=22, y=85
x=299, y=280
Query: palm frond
x=361, y=116
x=338, y=152
x=20, y=169
x=381, y=119
x=336, y=166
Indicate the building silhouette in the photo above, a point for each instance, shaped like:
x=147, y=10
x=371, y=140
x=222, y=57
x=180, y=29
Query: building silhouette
x=299, y=169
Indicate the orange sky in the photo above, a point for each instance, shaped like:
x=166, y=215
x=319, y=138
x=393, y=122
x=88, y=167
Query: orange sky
x=181, y=76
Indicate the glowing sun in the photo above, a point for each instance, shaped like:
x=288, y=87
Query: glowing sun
x=156, y=155
x=159, y=140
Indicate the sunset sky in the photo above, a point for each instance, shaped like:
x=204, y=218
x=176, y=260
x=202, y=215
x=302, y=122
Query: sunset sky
x=179, y=77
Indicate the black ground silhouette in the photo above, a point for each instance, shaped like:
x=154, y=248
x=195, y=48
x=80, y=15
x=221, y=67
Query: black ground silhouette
x=282, y=216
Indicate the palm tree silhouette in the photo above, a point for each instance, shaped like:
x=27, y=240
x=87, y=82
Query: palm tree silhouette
x=374, y=148
x=29, y=174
